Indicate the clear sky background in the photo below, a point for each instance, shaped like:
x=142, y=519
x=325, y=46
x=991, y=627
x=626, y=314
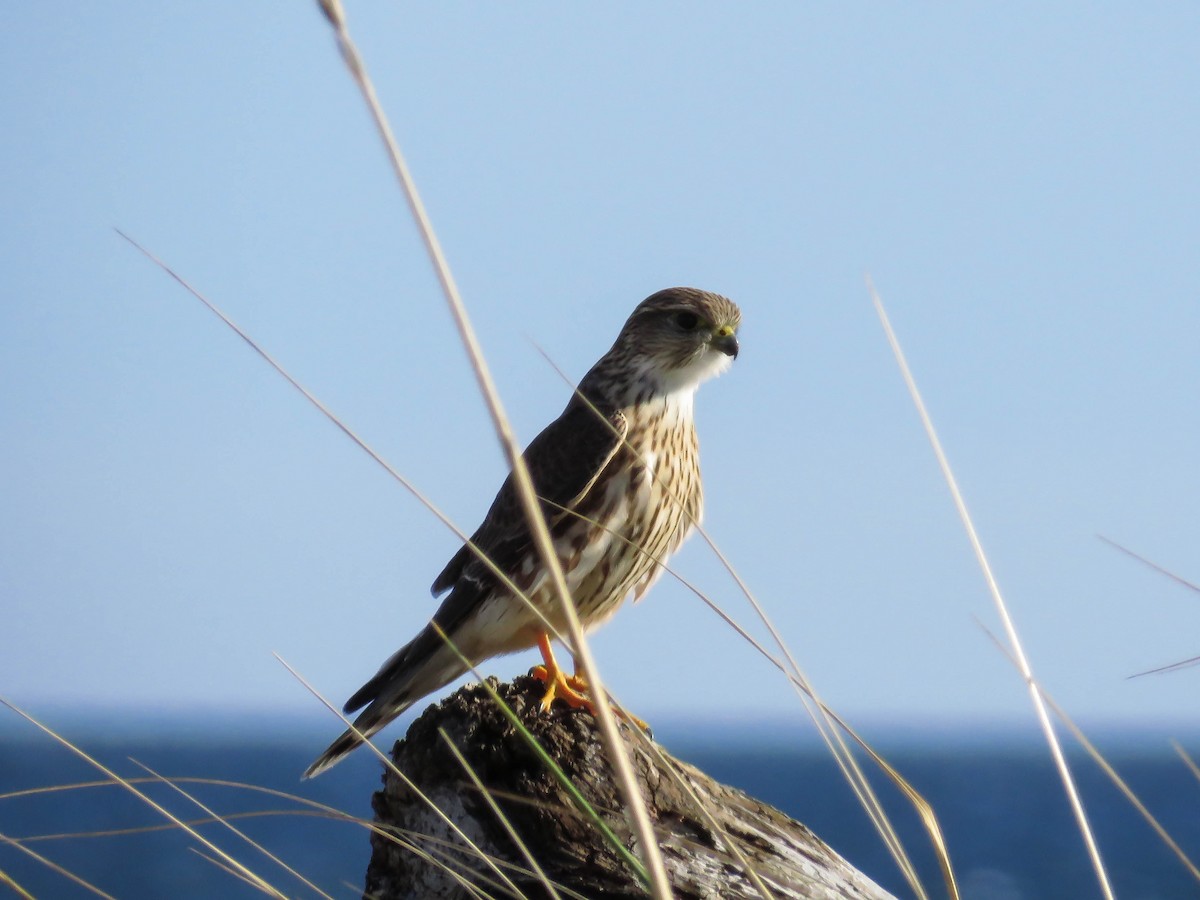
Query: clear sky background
x=1019, y=179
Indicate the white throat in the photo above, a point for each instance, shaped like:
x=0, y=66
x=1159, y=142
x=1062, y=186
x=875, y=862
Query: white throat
x=711, y=363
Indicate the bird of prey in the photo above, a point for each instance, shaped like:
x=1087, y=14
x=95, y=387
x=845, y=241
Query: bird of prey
x=618, y=479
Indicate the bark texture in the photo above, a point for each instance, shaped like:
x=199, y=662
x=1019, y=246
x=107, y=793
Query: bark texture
x=415, y=856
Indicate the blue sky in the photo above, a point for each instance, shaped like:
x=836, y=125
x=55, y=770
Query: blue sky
x=1019, y=180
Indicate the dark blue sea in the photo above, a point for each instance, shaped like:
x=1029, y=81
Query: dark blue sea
x=1009, y=830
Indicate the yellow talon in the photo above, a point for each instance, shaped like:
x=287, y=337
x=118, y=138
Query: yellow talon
x=570, y=689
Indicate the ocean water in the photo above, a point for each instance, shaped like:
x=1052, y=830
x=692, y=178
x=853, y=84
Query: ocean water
x=1009, y=831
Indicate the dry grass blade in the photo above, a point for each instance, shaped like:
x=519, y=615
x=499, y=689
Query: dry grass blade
x=1170, y=667
x=553, y=767
x=407, y=781
x=350, y=433
x=6, y=881
x=1153, y=565
x=1125, y=789
x=1108, y=770
x=108, y=773
x=924, y=809
x=241, y=834
x=315, y=807
x=439, y=860
x=335, y=14
x=445, y=856
x=158, y=829
x=226, y=868
x=1010, y=629
x=287, y=376
x=851, y=771
x=1187, y=760
x=735, y=858
x=870, y=802
x=736, y=855
x=1178, y=579
x=503, y=819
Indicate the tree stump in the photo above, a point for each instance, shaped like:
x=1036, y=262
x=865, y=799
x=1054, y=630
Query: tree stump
x=415, y=848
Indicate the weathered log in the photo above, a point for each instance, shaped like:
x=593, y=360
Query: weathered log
x=415, y=848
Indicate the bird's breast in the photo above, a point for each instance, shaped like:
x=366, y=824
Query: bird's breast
x=638, y=512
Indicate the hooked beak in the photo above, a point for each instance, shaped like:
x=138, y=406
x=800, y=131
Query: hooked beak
x=726, y=341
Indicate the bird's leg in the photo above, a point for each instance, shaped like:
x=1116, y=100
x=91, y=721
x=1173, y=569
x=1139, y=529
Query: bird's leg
x=558, y=686
x=578, y=679
x=571, y=689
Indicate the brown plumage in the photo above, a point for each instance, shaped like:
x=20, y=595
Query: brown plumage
x=618, y=475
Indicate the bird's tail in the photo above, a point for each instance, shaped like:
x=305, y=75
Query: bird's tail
x=419, y=668
x=369, y=721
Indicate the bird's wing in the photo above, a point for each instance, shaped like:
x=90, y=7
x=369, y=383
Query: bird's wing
x=564, y=462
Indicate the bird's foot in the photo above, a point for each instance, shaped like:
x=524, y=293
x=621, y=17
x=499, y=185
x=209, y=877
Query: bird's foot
x=572, y=690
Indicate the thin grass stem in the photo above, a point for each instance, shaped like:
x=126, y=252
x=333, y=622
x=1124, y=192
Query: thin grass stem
x=1105, y=766
x=100, y=767
x=1162, y=570
x=241, y=834
x=408, y=782
x=1124, y=788
x=520, y=844
x=405, y=483
x=226, y=868
x=1014, y=640
x=522, y=482
x=7, y=881
x=1187, y=759
x=924, y=809
x=553, y=767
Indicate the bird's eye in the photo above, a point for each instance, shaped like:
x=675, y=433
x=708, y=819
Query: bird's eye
x=687, y=321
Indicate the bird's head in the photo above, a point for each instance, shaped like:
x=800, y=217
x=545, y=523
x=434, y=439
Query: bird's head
x=680, y=337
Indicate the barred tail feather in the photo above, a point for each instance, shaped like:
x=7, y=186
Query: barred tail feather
x=371, y=720
x=416, y=670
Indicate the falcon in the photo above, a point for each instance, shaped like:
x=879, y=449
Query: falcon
x=617, y=475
